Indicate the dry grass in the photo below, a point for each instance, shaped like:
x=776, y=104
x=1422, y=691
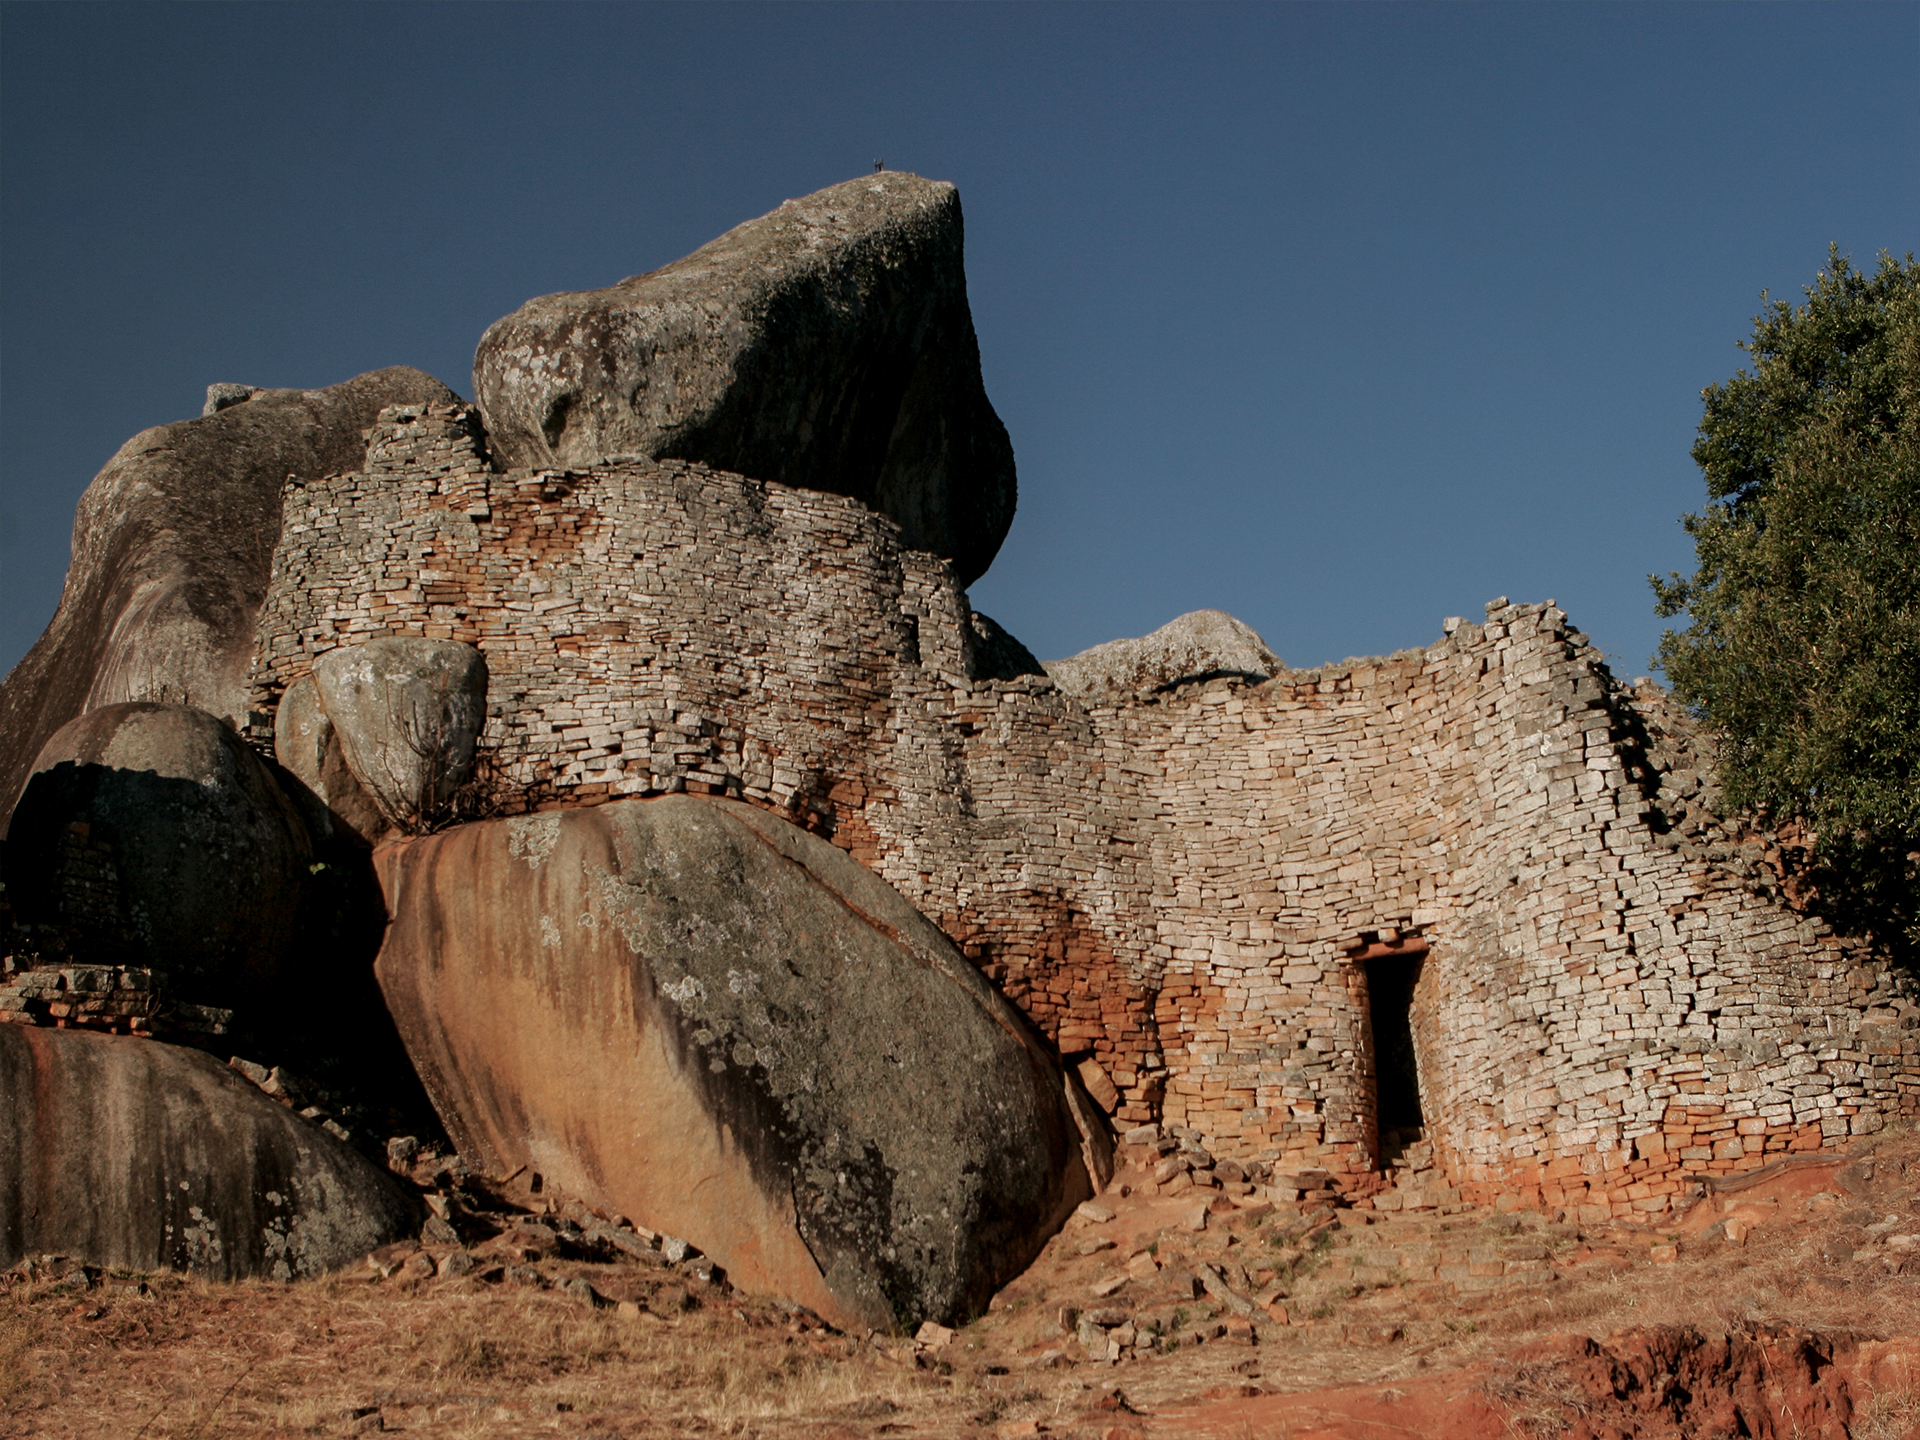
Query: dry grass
x=1537, y=1396
x=1891, y=1414
x=1782, y=1273
x=22, y=1332
x=464, y=1359
x=258, y=1359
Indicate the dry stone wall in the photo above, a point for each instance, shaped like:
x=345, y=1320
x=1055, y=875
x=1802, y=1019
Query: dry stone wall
x=1184, y=890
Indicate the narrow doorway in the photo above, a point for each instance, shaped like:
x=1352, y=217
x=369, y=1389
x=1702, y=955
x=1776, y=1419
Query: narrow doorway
x=1390, y=985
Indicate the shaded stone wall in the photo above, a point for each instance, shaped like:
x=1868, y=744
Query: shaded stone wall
x=1182, y=888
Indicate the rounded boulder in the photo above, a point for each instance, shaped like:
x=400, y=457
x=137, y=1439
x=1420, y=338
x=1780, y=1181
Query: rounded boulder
x=1199, y=645
x=150, y=834
x=697, y=1014
x=407, y=712
x=826, y=345
x=119, y=1151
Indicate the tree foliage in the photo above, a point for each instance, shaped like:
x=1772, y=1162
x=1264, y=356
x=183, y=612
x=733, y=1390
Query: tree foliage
x=1803, y=644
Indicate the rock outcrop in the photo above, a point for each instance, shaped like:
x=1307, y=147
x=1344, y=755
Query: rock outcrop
x=698, y=1014
x=826, y=345
x=172, y=546
x=154, y=836
x=223, y=393
x=127, y=1152
x=406, y=712
x=1198, y=645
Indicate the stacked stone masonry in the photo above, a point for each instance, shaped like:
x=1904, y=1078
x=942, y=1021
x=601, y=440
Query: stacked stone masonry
x=113, y=999
x=1182, y=888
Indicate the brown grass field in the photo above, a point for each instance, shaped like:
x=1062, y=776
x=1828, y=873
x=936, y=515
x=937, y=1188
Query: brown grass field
x=485, y=1355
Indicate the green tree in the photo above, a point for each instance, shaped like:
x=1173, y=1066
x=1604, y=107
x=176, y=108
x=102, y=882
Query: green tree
x=1802, y=649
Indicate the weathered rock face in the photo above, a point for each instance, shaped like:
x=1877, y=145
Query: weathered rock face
x=406, y=712
x=309, y=749
x=721, y=1025
x=223, y=393
x=127, y=1152
x=826, y=345
x=1199, y=644
x=153, y=832
x=172, y=547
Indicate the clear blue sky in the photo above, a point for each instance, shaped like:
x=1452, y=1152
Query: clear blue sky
x=1341, y=318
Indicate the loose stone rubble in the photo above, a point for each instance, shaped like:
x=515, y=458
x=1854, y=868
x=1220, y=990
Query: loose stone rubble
x=1193, y=893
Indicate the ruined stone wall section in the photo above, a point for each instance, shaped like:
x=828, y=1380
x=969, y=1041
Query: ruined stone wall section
x=1645, y=1011
x=649, y=628
x=1176, y=888
x=1299, y=821
x=1617, y=1012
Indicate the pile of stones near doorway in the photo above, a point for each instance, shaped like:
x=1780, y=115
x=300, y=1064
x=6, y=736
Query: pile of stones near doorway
x=1156, y=1266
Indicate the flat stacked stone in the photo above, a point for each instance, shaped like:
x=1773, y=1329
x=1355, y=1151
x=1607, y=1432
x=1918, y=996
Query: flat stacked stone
x=113, y=999
x=1182, y=888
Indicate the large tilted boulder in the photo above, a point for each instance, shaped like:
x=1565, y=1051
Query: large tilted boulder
x=406, y=712
x=119, y=1151
x=154, y=836
x=825, y=345
x=1198, y=645
x=172, y=546
x=698, y=1014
